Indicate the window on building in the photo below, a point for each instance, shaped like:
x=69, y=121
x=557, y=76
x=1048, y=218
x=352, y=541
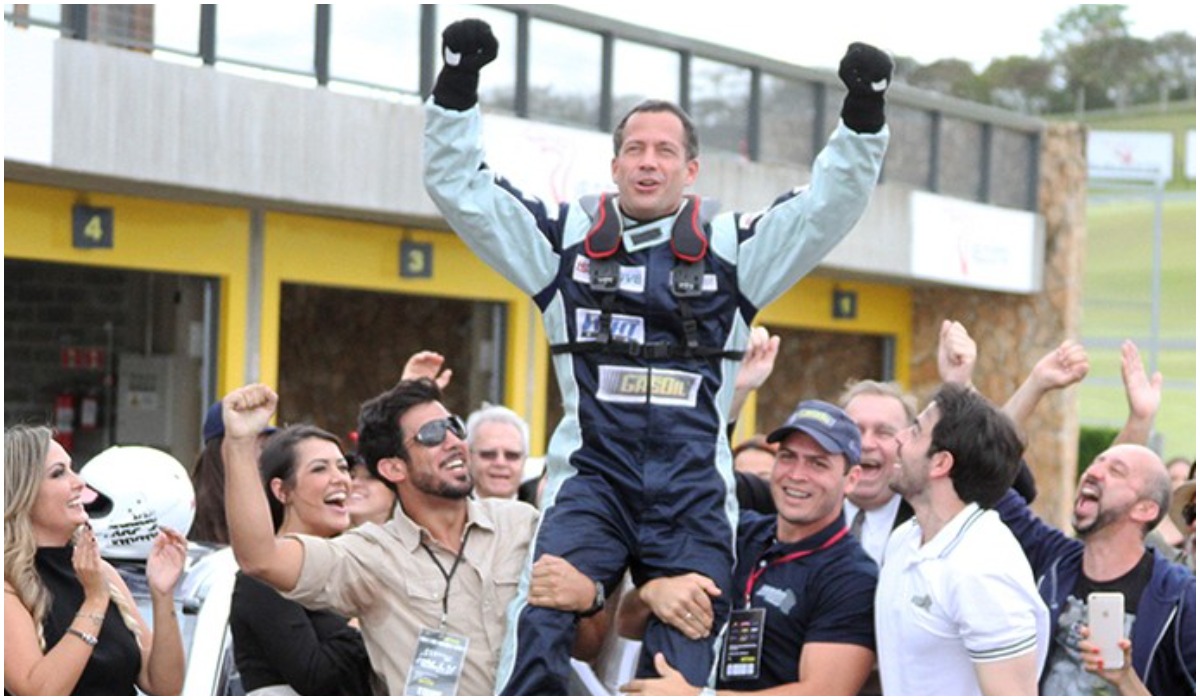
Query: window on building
x=720, y=105
x=564, y=75
x=642, y=72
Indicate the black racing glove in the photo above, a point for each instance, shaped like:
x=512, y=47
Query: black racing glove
x=467, y=46
x=867, y=73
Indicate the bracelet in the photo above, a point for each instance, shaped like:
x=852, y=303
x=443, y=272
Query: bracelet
x=94, y=617
x=88, y=639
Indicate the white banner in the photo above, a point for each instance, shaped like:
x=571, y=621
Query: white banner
x=1145, y=156
x=975, y=245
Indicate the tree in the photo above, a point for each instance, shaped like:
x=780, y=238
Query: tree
x=1022, y=84
x=951, y=76
x=1174, y=56
x=1103, y=65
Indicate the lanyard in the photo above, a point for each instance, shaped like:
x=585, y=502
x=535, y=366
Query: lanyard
x=448, y=574
x=764, y=565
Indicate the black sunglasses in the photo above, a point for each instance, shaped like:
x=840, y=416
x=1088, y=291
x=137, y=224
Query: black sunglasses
x=434, y=432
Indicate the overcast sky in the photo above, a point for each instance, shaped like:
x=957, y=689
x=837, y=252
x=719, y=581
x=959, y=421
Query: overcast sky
x=923, y=31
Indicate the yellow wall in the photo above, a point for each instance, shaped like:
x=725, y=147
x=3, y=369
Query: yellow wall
x=149, y=235
x=883, y=309
x=356, y=255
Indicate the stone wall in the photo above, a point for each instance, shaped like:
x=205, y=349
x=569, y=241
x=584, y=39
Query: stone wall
x=1015, y=331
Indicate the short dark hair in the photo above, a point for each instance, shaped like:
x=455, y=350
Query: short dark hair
x=379, y=433
x=983, y=441
x=278, y=460
x=691, y=140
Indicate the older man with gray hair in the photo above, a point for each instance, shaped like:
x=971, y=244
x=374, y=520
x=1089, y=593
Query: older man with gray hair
x=498, y=443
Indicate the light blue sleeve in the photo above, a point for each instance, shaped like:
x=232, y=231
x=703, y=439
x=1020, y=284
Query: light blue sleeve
x=792, y=236
x=508, y=231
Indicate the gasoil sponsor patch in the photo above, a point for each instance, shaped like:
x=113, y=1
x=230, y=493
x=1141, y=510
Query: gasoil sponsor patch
x=664, y=387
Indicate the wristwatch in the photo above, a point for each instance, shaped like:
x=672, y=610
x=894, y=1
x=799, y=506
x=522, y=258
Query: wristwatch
x=597, y=603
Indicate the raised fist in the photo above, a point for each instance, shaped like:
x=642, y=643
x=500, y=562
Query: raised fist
x=469, y=44
x=865, y=70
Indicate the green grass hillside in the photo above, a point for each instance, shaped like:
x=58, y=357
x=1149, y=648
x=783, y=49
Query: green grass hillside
x=1117, y=288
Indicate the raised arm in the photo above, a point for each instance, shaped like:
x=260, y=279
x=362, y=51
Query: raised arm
x=273, y=560
x=1058, y=369
x=1143, y=394
x=163, y=662
x=757, y=364
x=956, y=355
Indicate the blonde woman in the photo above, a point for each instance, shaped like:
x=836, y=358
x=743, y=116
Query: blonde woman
x=70, y=624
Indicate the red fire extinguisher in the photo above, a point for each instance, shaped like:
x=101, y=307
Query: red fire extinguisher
x=64, y=420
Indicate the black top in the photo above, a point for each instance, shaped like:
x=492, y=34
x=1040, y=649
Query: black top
x=116, y=661
x=827, y=596
x=279, y=642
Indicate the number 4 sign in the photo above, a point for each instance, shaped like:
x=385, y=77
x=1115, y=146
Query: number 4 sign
x=91, y=227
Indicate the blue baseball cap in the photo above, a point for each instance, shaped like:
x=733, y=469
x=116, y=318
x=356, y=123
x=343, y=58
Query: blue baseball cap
x=829, y=425
x=214, y=423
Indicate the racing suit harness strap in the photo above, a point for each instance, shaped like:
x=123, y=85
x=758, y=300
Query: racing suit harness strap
x=689, y=244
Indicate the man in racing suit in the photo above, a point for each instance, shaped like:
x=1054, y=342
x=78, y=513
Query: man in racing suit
x=647, y=299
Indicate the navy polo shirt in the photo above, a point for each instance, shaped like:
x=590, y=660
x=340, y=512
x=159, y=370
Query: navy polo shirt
x=827, y=596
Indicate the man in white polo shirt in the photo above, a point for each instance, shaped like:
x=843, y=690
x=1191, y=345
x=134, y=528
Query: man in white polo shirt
x=957, y=611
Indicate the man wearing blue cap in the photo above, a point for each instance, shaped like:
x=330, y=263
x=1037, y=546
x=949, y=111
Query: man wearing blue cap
x=803, y=596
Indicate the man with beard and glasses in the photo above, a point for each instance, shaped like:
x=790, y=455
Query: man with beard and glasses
x=1121, y=496
x=430, y=586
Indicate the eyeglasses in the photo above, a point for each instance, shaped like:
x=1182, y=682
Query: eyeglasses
x=434, y=432
x=509, y=455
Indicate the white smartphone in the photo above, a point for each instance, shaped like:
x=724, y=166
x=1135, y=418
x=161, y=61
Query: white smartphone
x=1106, y=620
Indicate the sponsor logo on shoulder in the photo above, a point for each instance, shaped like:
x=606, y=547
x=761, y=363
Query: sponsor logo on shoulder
x=632, y=279
x=662, y=387
x=621, y=327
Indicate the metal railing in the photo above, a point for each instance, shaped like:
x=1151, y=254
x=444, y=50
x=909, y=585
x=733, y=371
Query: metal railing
x=940, y=144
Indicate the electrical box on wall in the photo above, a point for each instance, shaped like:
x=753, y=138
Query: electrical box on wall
x=149, y=387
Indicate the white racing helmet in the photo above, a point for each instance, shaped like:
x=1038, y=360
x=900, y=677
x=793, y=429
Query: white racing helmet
x=137, y=490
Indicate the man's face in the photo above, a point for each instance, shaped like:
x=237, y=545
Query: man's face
x=497, y=460
x=909, y=475
x=652, y=169
x=437, y=470
x=880, y=419
x=808, y=485
x=1110, y=488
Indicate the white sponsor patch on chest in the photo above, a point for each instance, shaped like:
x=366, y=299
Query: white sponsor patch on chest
x=632, y=279
x=621, y=327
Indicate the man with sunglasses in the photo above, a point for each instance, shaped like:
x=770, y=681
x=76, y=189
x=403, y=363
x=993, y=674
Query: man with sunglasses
x=498, y=442
x=430, y=586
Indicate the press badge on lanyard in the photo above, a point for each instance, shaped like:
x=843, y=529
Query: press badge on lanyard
x=440, y=657
x=741, y=652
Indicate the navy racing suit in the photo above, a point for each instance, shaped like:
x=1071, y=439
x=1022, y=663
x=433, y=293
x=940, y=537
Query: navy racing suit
x=640, y=471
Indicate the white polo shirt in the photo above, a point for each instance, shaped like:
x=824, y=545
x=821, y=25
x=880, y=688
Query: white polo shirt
x=966, y=597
